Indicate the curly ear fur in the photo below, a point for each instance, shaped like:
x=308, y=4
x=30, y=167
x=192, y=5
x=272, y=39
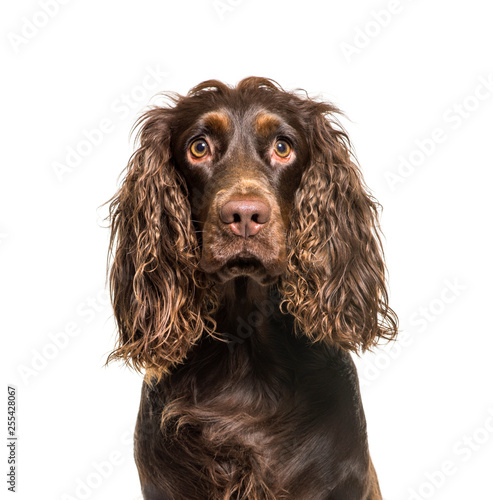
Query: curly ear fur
x=156, y=290
x=335, y=280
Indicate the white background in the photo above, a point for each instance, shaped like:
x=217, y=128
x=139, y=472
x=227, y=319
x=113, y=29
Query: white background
x=416, y=81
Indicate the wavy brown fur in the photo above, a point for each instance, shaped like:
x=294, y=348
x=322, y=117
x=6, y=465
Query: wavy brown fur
x=157, y=293
x=335, y=281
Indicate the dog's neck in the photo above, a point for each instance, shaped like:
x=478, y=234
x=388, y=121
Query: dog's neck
x=247, y=308
x=243, y=293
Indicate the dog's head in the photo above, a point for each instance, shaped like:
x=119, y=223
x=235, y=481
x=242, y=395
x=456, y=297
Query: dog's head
x=245, y=181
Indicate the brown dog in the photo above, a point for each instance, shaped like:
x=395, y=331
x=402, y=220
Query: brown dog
x=247, y=263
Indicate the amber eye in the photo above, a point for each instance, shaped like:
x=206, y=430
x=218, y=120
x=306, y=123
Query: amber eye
x=282, y=149
x=199, y=148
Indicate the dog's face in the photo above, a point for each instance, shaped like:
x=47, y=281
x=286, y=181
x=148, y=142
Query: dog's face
x=242, y=165
x=243, y=181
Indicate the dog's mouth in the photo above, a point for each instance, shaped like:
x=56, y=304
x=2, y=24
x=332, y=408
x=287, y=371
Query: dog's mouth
x=225, y=256
x=244, y=266
x=249, y=266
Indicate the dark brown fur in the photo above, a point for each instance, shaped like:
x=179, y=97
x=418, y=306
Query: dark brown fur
x=250, y=390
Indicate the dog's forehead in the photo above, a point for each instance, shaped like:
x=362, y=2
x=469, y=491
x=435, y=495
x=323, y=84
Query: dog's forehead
x=217, y=121
x=261, y=121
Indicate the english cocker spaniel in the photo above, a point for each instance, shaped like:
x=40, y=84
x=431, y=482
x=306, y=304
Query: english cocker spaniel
x=247, y=264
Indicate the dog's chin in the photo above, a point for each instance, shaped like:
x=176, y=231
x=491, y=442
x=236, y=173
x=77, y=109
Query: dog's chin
x=244, y=265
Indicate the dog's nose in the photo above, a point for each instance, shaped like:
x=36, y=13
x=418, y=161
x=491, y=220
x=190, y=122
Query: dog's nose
x=245, y=217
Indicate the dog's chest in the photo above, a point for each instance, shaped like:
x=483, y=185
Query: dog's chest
x=266, y=418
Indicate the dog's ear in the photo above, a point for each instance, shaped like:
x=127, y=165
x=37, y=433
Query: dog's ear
x=335, y=281
x=156, y=289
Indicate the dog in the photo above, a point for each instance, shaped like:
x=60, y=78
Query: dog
x=246, y=266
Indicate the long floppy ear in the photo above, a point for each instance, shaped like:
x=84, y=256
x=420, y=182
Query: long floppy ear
x=335, y=280
x=155, y=287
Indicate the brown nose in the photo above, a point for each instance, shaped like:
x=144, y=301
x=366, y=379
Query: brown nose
x=245, y=217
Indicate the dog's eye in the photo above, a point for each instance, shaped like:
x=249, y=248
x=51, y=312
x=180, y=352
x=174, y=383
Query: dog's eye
x=282, y=149
x=199, y=148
